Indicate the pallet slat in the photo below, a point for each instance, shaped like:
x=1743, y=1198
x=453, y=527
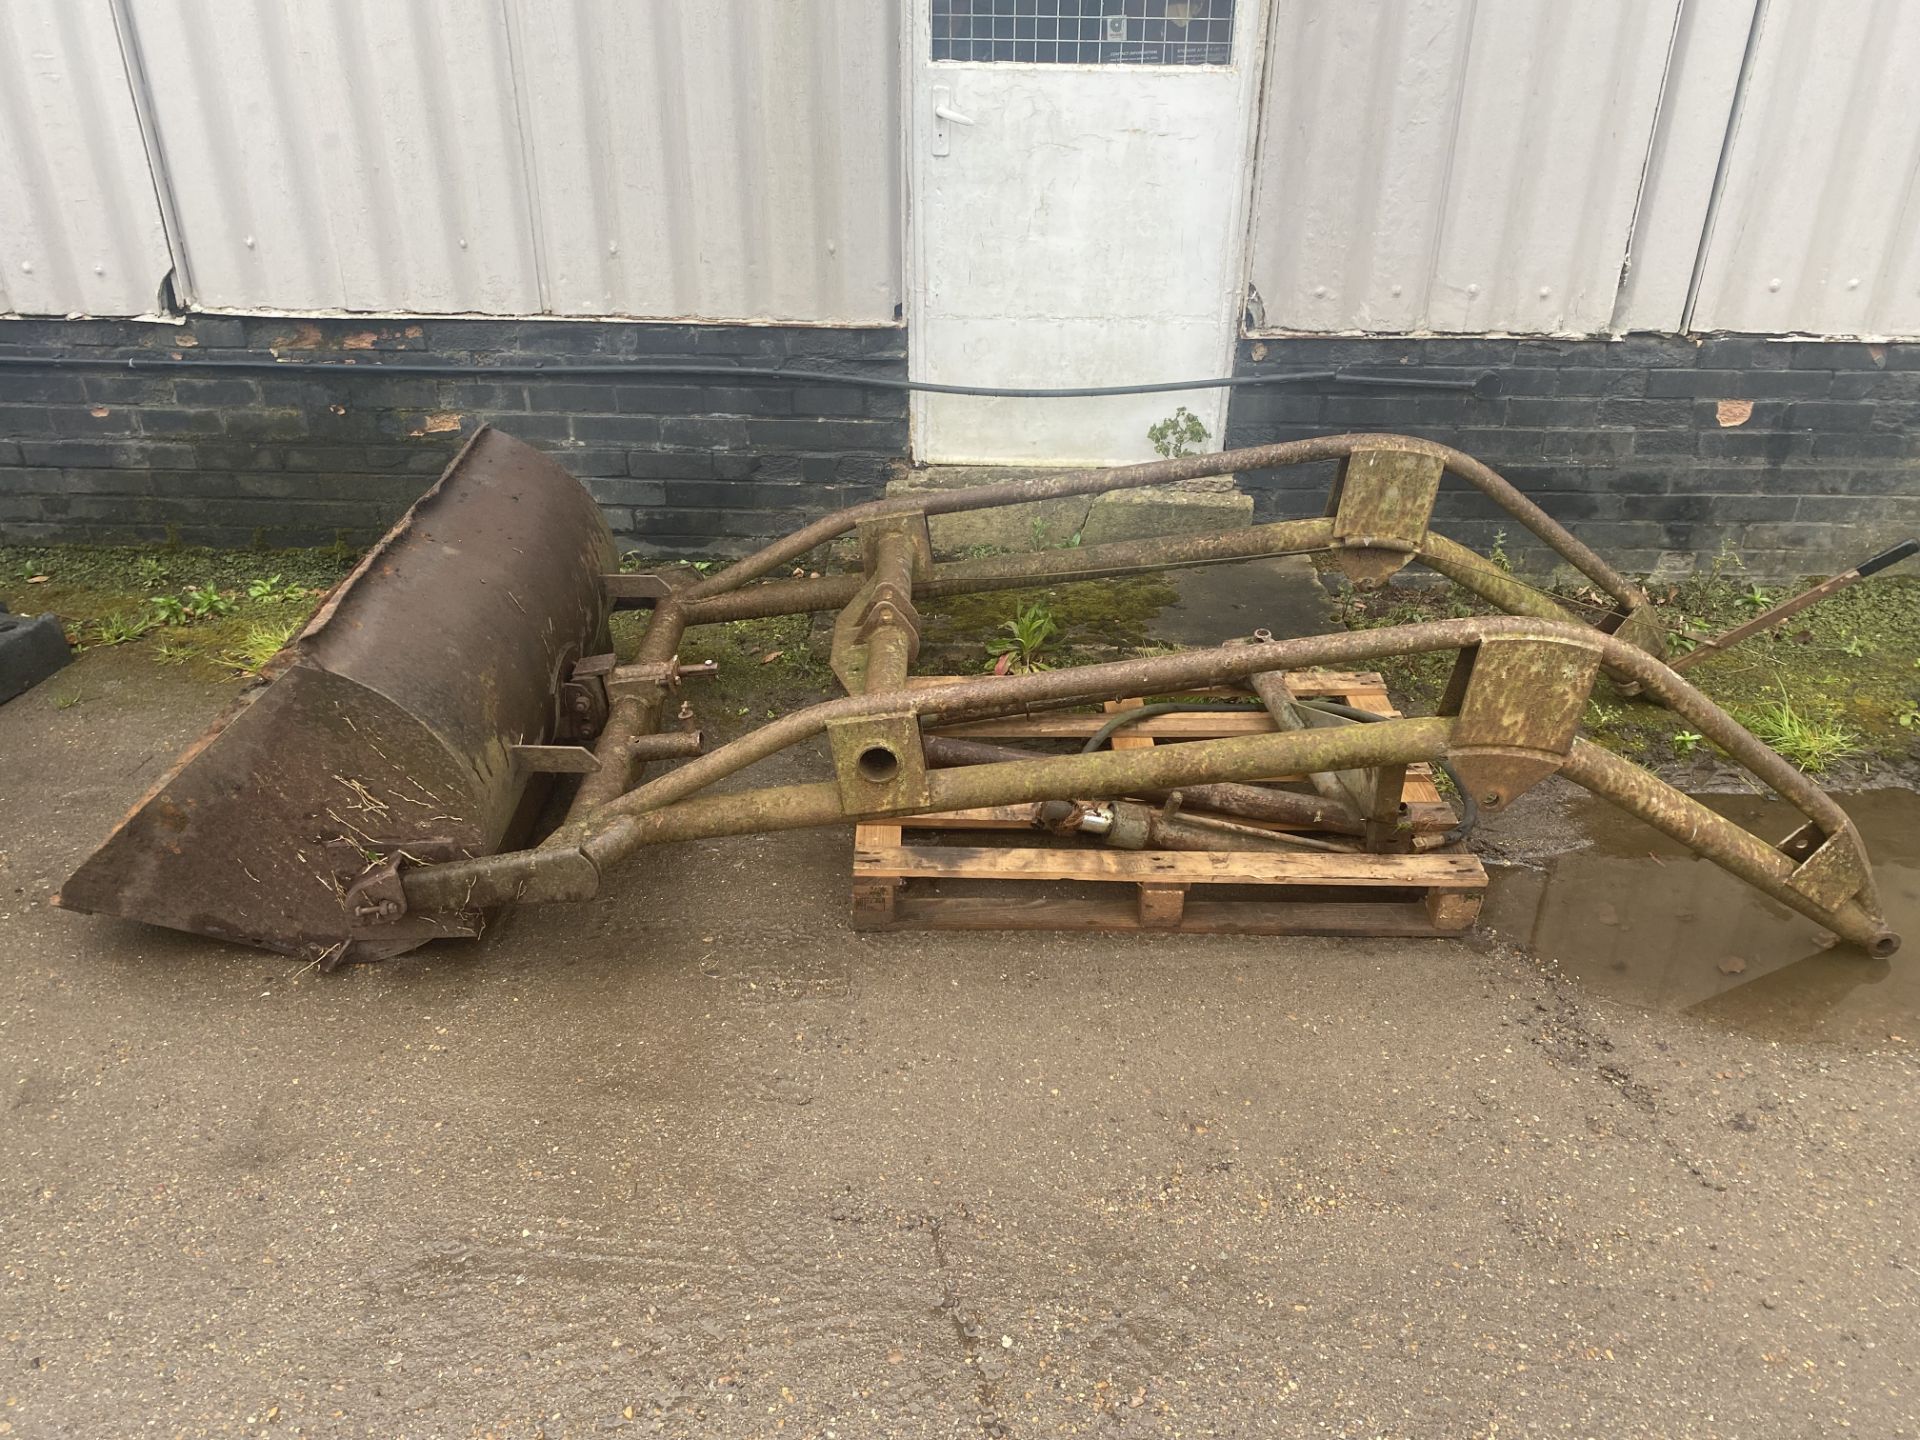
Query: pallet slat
x=1409, y=919
x=1162, y=867
x=1173, y=892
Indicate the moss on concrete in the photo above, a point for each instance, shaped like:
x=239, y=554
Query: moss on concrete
x=114, y=596
x=1097, y=620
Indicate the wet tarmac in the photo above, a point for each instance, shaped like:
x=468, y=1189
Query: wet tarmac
x=1637, y=918
x=698, y=1160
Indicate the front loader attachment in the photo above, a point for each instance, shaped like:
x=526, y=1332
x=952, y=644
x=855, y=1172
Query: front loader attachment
x=371, y=796
x=385, y=728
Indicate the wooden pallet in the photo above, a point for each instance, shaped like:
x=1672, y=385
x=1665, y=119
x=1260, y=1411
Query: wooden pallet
x=909, y=884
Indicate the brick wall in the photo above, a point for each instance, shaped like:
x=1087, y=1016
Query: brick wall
x=1803, y=456
x=238, y=458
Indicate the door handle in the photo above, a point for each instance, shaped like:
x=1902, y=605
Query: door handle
x=945, y=117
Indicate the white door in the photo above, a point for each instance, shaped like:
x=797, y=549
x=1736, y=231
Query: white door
x=1077, y=217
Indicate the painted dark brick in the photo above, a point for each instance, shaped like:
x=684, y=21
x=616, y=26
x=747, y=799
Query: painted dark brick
x=1629, y=442
x=215, y=456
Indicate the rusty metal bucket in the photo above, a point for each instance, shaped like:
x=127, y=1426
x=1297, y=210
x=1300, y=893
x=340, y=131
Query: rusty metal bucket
x=384, y=727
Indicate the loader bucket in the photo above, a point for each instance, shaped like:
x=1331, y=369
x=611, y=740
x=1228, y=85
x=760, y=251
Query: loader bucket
x=383, y=727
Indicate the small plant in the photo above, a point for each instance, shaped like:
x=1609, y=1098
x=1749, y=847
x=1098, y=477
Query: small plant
x=1856, y=647
x=169, y=610
x=203, y=602
x=274, y=591
x=1600, y=716
x=149, y=572
x=68, y=700
x=1180, y=433
x=1027, y=636
x=1502, y=561
x=120, y=627
x=1810, y=742
x=261, y=643
x=1756, y=598
x=1679, y=642
x=1726, y=558
x=1909, y=716
x=1685, y=742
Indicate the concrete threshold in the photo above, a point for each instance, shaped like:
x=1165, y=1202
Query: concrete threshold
x=1096, y=519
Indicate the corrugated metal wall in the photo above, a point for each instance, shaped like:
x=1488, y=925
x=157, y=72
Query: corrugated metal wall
x=1450, y=165
x=79, y=226
x=713, y=159
x=1817, y=226
x=1446, y=165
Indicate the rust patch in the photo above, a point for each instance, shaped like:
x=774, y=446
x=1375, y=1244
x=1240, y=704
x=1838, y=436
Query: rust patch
x=440, y=422
x=304, y=336
x=99, y=412
x=1733, y=412
x=360, y=340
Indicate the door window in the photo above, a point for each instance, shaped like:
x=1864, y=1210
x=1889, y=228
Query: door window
x=1085, y=32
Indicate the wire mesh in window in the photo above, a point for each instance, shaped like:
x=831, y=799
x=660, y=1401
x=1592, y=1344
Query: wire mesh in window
x=1085, y=32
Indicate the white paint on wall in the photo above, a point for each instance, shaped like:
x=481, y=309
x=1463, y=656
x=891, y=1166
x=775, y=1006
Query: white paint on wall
x=80, y=229
x=1452, y=165
x=1084, y=226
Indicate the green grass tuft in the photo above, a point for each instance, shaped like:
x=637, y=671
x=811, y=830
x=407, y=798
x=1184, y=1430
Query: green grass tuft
x=1810, y=742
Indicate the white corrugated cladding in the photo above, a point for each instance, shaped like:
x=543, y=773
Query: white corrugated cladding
x=711, y=159
x=1459, y=166
x=1817, y=227
x=1453, y=165
x=80, y=227
x=342, y=156
x=725, y=158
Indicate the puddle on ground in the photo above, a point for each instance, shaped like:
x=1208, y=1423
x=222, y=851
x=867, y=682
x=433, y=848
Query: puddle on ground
x=1639, y=919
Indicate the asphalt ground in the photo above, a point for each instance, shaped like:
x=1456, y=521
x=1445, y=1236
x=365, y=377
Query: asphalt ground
x=696, y=1159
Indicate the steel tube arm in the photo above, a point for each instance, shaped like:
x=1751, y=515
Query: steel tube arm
x=1726, y=844
x=488, y=881
x=1184, y=467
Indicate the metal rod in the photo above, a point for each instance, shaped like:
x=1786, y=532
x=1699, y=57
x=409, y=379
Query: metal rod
x=1478, y=575
x=629, y=719
x=1247, y=802
x=1185, y=467
x=666, y=745
x=1017, y=572
x=1733, y=849
x=627, y=822
x=1772, y=616
x=1166, y=674
x=489, y=881
x=1351, y=792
